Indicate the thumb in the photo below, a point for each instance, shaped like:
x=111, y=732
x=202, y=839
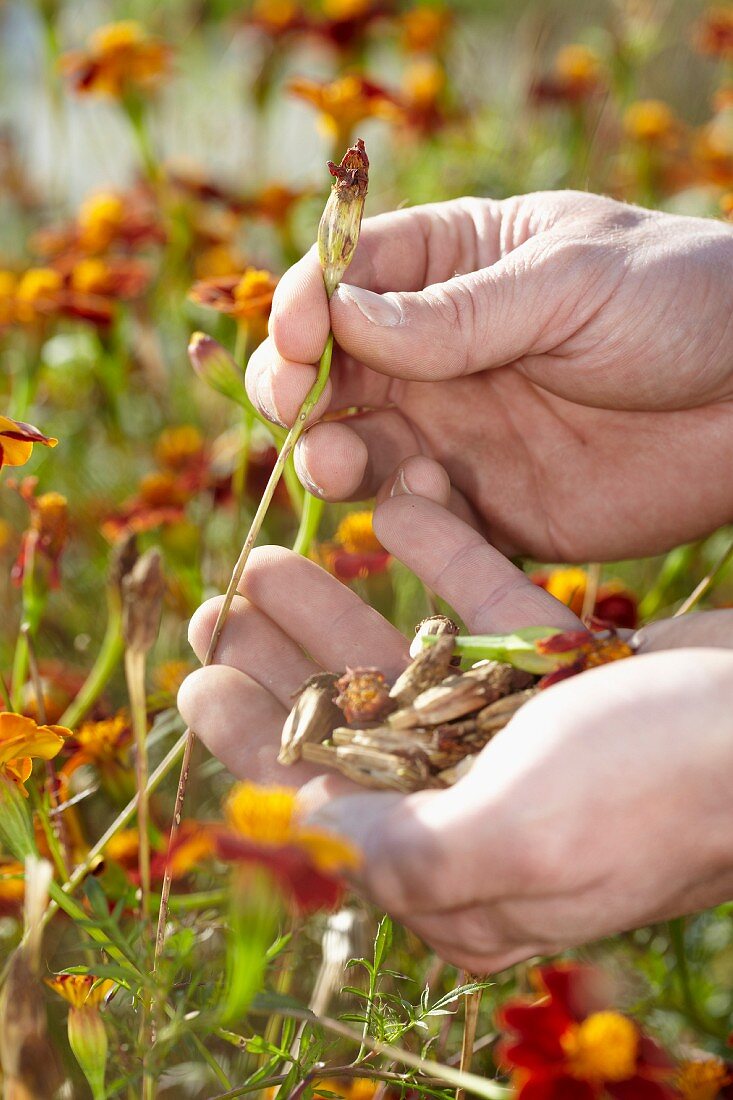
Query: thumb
x=469, y=323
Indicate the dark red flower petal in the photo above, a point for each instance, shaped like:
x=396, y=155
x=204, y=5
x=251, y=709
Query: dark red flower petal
x=641, y=1088
x=309, y=888
x=581, y=990
x=554, y=1087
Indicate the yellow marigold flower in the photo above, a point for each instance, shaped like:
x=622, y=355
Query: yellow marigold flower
x=246, y=297
x=345, y=9
x=90, y=276
x=355, y=533
x=176, y=448
x=99, y=219
x=424, y=27
x=37, y=293
x=17, y=439
x=123, y=847
x=345, y=102
x=578, y=65
x=120, y=57
x=267, y=816
x=702, y=1078
x=50, y=519
x=568, y=586
x=604, y=1047
x=21, y=741
x=651, y=122
x=106, y=739
x=275, y=14
x=423, y=82
x=81, y=990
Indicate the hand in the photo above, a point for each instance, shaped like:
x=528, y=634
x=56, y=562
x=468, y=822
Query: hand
x=602, y=806
x=567, y=358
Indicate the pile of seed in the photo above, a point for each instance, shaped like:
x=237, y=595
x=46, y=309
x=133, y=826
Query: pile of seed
x=422, y=731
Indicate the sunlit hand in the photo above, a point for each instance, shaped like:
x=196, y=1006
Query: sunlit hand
x=602, y=806
x=567, y=358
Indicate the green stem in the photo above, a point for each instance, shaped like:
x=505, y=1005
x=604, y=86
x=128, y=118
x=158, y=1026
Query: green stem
x=696, y=1014
x=705, y=584
x=108, y=657
x=32, y=609
x=5, y=694
x=309, y=523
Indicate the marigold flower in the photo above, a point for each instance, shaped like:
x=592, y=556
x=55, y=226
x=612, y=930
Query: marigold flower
x=714, y=33
x=120, y=58
x=651, y=122
x=47, y=532
x=615, y=604
x=104, y=743
x=87, y=1035
x=245, y=297
x=570, y=1043
x=21, y=741
x=424, y=28
x=345, y=102
x=179, y=448
x=702, y=1078
x=12, y=886
x=355, y=552
x=263, y=828
x=105, y=220
x=100, y=219
x=713, y=149
x=17, y=439
x=277, y=17
x=577, y=74
x=81, y=989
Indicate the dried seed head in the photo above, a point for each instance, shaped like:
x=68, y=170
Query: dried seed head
x=122, y=559
x=313, y=718
x=338, y=232
x=429, y=668
x=430, y=627
x=364, y=695
x=142, y=590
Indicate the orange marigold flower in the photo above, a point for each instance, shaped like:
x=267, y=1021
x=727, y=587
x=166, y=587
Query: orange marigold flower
x=615, y=604
x=424, y=28
x=577, y=650
x=274, y=203
x=713, y=149
x=12, y=886
x=345, y=102
x=570, y=1043
x=264, y=828
x=47, y=532
x=17, y=439
x=38, y=294
x=714, y=33
x=277, y=17
x=245, y=297
x=100, y=219
x=651, y=122
x=105, y=219
x=179, y=448
x=81, y=990
x=355, y=552
x=702, y=1078
x=577, y=74
x=120, y=58
x=21, y=741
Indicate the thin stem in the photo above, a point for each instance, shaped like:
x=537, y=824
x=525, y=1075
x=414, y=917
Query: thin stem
x=309, y=523
x=291, y=439
x=108, y=657
x=135, y=675
x=705, y=584
x=472, y=1003
x=591, y=592
x=5, y=694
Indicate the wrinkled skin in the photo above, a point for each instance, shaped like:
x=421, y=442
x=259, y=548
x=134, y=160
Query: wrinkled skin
x=568, y=359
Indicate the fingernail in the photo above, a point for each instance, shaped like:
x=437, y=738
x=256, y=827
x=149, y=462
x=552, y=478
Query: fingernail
x=303, y=474
x=399, y=485
x=377, y=308
x=266, y=401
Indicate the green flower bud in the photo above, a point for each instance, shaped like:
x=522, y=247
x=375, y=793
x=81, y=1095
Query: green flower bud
x=215, y=366
x=338, y=232
x=88, y=1041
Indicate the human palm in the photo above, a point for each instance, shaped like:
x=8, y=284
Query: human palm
x=568, y=359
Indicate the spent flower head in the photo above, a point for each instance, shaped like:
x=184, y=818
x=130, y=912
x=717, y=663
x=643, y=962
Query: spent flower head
x=338, y=232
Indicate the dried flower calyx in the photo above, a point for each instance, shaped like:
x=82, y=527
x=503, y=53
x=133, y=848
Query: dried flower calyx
x=338, y=232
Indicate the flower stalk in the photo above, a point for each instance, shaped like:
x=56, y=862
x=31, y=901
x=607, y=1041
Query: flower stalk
x=338, y=234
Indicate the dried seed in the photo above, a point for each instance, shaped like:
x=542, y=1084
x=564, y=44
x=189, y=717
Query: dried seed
x=429, y=668
x=497, y=715
x=461, y=694
x=313, y=717
x=371, y=768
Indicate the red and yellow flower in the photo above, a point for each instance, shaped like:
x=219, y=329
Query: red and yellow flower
x=105, y=745
x=355, y=552
x=345, y=102
x=17, y=439
x=425, y=28
x=120, y=58
x=568, y=1043
x=577, y=75
x=263, y=828
x=12, y=886
x=615, y=604
x=246, y=297
x=714, y=33
x=703, y=1078
x=22, y=741
x=652, y=122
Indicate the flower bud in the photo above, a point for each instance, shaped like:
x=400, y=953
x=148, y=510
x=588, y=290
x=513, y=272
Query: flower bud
x=216, y=367
x=143, y=589
x=88, y=1041
x=338, y=232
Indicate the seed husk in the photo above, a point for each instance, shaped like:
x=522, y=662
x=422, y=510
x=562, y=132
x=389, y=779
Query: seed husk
x=429, y=668
x=461, y=694
x=313, y=718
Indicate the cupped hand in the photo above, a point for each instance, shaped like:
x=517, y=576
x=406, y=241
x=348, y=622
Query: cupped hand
x=603, y=805
x=567, y=358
